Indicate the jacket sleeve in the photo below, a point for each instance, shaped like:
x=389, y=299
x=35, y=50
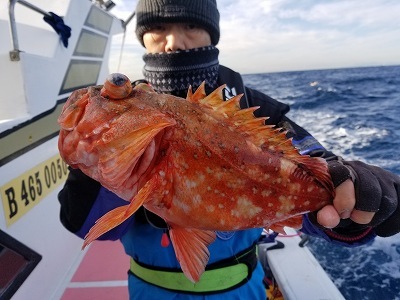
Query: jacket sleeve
x=76, y=199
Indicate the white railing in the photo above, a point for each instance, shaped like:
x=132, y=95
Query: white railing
x=14, y=54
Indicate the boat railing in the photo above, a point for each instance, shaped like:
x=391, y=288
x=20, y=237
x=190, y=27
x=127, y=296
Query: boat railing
x=14, y=54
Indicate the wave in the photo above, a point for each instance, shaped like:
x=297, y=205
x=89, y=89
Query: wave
x=351, y=112
x=366, y=272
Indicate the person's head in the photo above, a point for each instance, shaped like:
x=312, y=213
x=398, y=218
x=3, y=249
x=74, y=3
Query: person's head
x=180, y=38
x=172, y=25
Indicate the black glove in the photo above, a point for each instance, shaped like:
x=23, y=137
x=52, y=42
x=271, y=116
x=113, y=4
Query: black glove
x=377, y=190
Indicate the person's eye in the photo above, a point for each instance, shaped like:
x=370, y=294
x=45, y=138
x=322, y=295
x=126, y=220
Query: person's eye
x=157, y=27
x=192, y=27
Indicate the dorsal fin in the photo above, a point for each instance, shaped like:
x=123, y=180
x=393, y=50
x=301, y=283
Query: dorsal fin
x=266, y=137
x=198, y=95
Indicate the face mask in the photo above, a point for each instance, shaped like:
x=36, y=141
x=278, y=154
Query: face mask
x=174, y=72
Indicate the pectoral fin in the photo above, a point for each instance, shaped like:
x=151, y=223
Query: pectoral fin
x=118, y=215
x=191, y=250
x=116, y=166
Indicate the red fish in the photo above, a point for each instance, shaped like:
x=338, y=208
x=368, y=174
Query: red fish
x=203, y=164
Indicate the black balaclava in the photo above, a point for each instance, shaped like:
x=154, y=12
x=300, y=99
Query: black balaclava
x=174, y=72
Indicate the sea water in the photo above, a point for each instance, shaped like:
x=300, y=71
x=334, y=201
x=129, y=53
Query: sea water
x=355, y=113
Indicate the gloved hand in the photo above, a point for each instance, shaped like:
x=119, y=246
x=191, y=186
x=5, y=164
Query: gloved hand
x=376, y=191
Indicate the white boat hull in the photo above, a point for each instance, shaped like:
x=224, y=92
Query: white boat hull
x=35, y=82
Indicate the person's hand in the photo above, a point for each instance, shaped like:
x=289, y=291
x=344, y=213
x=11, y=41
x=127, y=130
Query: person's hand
x=366, y=196
x=343, y=207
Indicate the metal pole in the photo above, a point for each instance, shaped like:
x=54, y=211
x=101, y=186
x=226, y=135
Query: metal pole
x=35, y=8
x=14, y=54
x=125, y=23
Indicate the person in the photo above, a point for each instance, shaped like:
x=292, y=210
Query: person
x=180, y=38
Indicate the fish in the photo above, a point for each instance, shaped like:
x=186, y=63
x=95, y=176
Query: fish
x=201, y=163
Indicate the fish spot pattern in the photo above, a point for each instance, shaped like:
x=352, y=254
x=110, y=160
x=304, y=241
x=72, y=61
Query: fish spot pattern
x=246, y=208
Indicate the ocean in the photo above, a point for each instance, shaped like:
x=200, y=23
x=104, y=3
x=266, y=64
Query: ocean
x=355, y=113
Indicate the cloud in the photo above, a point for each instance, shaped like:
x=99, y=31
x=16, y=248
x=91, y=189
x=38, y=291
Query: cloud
x=260, y=36
x=282, y=35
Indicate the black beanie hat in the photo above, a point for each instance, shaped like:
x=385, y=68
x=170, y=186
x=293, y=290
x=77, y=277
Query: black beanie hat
x=203, y=13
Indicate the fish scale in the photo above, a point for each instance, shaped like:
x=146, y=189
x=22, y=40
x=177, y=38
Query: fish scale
x=203, y=165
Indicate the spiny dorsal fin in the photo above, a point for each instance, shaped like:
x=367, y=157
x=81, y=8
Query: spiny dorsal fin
x=245, y=114
x=230, y=107
x=198, y=95
x=266, y=137
x=215, y=98
x=254, y=124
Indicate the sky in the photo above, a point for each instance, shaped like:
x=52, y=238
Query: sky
x=288, y=35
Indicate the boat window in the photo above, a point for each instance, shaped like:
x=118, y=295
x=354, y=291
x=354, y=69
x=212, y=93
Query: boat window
x=80, y=73
x=17, y=261
x=99, y=20
x=90, y=44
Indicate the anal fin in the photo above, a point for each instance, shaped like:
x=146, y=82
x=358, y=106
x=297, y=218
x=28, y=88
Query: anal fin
x=191, y=249
x=294, y=222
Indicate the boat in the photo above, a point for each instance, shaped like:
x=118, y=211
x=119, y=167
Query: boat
x=45, y=54
x=40, y=67
x=294, y=272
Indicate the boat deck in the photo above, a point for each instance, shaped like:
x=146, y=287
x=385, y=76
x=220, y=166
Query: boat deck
x=101, y=274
